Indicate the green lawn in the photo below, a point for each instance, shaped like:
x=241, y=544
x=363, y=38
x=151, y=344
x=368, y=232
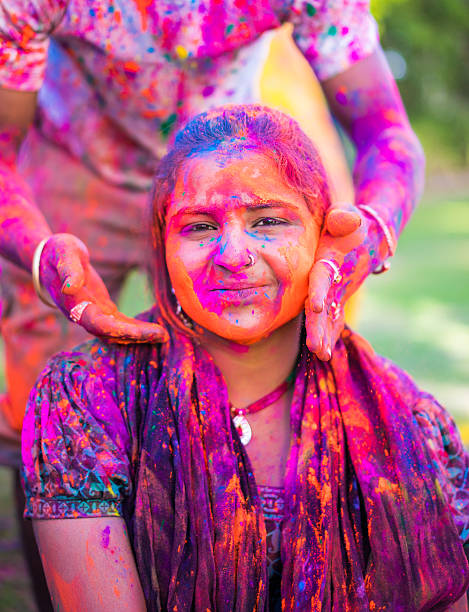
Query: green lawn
x=418, y=313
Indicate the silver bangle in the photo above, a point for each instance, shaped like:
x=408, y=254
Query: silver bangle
x=387, y=235
x=38, y=288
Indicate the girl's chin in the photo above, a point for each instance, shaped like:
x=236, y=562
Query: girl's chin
x=245, y=328
x=244, y=335
x=246, y=338
x=238, y=333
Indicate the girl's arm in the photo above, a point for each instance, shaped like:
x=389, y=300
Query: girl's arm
x=89, y=565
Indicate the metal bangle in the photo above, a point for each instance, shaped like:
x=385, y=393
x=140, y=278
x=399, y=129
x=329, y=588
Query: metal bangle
x=38, y=288
x=383, y=267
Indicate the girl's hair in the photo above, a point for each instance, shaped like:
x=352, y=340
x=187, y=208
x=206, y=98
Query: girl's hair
x=234, y=129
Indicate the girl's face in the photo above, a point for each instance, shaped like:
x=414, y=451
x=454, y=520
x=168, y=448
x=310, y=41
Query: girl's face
x=240, y=244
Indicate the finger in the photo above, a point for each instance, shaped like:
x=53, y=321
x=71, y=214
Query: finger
x=320, y=281
x=324, y=351
x=314, y=329
x=71, y=272
x=313, y=338
x=119, y=328
x=334, y=326
x=342, y=222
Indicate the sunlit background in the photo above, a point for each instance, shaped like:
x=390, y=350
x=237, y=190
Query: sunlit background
x=418, y=313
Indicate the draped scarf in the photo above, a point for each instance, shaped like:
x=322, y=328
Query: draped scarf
x=366, y=528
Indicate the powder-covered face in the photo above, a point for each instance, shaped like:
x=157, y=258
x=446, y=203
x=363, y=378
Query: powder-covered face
x=240, y=244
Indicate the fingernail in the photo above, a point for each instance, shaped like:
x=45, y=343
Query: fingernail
x=328, y=351
x=318, y=307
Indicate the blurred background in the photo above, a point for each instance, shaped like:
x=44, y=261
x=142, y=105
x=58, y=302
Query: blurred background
x=418, y=313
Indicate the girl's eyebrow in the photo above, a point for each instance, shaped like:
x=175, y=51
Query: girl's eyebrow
x=254, y=205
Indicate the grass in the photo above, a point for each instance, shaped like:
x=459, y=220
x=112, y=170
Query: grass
x=417, y=315
x=14, y=583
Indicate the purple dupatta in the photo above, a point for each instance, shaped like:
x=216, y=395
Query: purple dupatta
x=367, y=526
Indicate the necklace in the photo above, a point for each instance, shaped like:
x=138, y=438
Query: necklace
x=239, y=414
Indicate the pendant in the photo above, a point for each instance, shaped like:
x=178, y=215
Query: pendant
x=243, y=428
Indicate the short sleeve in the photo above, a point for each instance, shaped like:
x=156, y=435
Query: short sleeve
x=334, y=34
x=450, y=459
x=75, y=444
x=25, y=26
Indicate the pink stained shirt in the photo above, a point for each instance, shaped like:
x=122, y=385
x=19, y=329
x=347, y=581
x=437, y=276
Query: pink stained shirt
x=116, y=77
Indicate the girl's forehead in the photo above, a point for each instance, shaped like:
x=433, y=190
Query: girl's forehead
x=223, y=164
x=217, y=178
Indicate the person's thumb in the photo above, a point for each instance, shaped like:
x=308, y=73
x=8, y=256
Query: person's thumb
x=342, y=222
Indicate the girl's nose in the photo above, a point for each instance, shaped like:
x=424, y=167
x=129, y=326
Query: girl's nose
x=233, y=253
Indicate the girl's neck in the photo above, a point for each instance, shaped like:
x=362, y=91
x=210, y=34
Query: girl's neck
x=250, y=372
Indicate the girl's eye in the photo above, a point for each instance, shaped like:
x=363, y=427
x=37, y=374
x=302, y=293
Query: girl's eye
x=269, y=222
x=198, y=227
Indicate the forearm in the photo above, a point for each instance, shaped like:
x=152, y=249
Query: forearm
x=89, y=565
x=22, y=225
x=389, y=174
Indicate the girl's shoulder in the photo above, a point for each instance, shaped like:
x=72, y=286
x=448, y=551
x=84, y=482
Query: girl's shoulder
x=81, y=428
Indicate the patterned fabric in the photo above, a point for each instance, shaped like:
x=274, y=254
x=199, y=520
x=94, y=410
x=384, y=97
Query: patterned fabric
x=150, y=427
x=450, y=461
x=141, y=68
x=273, y=505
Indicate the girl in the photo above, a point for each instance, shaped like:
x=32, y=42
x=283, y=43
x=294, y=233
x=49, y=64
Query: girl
x=229, y=468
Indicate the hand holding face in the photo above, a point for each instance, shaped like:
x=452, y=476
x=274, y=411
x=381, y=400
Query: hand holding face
x=66, y=273
x=347, y=242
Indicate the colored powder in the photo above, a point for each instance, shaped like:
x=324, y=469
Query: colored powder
x=105, y=536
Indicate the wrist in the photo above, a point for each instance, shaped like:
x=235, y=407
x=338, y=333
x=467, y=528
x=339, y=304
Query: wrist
x=385, y=238
x=41, y=292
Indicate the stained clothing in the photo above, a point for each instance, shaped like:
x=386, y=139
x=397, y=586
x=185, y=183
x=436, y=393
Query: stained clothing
x=116, y=79
x=375, y=484
x=273, y=509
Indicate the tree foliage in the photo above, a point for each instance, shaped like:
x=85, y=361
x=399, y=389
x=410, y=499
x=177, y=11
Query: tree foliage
x=433, y=38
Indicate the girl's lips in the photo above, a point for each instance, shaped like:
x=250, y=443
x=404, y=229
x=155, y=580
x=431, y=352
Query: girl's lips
x=239, y=293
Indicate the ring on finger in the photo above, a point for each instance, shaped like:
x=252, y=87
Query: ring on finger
x=336, y=275
x=335, y=310
x=77, y=311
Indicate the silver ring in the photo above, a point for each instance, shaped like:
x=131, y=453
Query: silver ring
x=335, y=310
x=337, y=276
x=77, y=311
x=251, y=260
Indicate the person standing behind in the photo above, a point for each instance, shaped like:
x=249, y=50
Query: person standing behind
x=91, y=91
x=114, y=80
